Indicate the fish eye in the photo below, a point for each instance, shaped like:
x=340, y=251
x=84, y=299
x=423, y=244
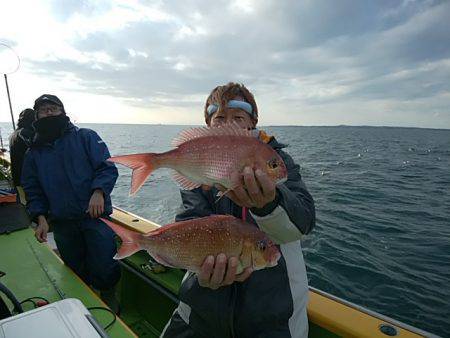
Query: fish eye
x=262, y=245
x=273, y=163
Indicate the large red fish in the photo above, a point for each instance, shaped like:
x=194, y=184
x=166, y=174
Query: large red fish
x=208, y=156
x=187, y=244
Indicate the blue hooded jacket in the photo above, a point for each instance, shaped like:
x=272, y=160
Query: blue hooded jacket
x=59, y=178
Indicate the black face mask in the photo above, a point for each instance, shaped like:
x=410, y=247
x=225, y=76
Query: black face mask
x=52, y=127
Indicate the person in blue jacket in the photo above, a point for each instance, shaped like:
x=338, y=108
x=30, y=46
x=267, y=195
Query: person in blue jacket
x=68, y=182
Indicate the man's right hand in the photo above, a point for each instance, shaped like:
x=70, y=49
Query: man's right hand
x=42, y=229
x=219, y=272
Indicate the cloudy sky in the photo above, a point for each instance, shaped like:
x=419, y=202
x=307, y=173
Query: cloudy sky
x=307, y=62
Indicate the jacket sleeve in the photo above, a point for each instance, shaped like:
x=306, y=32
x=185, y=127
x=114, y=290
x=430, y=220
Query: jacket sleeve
x=105, y=173
x=37, y=202
x=194, y=204
x=292, y=213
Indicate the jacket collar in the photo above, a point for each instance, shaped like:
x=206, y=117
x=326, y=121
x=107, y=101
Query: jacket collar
x=270, y=140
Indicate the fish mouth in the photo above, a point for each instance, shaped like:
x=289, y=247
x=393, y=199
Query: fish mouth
x=274, y=256
x=275, y=260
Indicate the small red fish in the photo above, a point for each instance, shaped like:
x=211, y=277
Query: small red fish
x=186, y=244
x=206, y=156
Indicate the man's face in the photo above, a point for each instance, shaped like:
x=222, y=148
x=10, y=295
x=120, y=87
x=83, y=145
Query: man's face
x=48, y=109
x=232, y=115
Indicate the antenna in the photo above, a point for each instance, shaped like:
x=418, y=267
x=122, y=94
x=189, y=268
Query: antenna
x=9, y=63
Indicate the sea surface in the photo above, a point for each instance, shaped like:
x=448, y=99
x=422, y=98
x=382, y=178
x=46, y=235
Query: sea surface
x=382, y=238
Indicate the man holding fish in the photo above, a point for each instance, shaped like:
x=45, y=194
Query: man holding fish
x=253, y=283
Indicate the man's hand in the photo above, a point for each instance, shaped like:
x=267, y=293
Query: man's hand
x=217, y=273
x=96, y=204
x=254, y=189
x=42, y=229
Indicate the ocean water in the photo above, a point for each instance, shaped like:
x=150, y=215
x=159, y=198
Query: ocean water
x=382, y=238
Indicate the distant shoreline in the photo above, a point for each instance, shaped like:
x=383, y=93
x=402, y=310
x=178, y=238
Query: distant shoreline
x=276, y=126
x=264, y=126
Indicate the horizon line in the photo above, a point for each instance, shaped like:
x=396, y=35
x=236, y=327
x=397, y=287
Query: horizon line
x=266, y=125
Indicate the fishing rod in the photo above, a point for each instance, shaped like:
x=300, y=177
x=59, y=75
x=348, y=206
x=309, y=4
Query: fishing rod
x=5, y=72
x=9, y=100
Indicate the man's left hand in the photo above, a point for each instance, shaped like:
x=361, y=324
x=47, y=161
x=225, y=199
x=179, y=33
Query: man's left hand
x=96, y=204
x=255, y=191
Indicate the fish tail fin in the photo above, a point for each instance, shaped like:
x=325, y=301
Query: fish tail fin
x=130, y=240
x=142, y=165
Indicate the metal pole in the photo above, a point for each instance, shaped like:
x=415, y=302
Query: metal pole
x=9, y=99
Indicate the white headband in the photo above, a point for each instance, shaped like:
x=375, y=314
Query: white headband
x=247, y=107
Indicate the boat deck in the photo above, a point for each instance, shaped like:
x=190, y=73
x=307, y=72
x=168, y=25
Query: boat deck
x=25, y=263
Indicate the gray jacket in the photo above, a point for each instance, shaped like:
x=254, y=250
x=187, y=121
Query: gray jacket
x=271, y=302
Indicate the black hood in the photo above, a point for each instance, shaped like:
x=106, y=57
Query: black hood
x=26, y=118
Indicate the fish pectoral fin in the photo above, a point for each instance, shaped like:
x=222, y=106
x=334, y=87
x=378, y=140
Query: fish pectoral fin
x=163, y=261
x=220, y=194
x=184, y=182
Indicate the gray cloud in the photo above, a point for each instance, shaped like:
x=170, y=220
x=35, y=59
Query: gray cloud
x=309, y=53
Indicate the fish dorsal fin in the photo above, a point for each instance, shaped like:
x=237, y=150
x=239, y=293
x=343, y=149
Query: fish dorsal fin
x=184, y=182
x=194, y=133
x=162, y=229
x=168, y=228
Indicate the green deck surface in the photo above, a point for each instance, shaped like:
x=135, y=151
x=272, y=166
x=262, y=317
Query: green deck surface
x=146, y=309
x=26, y=278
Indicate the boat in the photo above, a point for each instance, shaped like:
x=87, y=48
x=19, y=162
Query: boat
x=147, y=291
